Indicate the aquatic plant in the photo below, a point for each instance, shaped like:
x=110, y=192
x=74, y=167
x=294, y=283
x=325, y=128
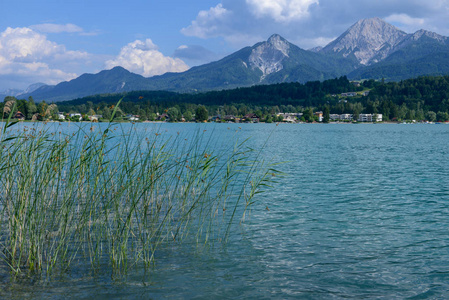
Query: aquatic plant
x=114, y=194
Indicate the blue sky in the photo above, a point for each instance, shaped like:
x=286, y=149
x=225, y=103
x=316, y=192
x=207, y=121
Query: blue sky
x=52, y=41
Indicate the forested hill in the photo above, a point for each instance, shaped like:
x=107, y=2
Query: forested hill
x=420, y=98
x=309, y=94
x=423, y=98
x=417, y=97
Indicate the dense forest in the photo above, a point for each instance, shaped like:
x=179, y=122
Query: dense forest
x=423, y=98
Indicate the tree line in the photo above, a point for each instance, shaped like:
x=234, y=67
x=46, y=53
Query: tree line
x=422, y=98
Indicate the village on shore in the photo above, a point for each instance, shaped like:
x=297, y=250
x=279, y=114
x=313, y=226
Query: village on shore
x=292, y=118
x=261, y=104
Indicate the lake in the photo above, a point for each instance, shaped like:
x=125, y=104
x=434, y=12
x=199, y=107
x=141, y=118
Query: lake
x=363, y=212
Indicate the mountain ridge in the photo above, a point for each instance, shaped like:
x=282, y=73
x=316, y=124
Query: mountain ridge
x=371, y=48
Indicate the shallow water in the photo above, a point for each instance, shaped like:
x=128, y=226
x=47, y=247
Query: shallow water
x=363, y=213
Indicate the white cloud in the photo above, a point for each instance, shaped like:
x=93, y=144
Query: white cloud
x=29, y=57
x=242, y=23
x=24, y=44
x=143, y=57
x=281, y=10
x=57, y=28
x=62, y=28
x=405, y=20
x=201, y=27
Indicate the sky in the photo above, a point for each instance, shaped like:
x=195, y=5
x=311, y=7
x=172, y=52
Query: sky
x=50, y=41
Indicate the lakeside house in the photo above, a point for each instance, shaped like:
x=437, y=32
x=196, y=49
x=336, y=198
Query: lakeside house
x=19, y=116
x=349, y=94
x=95, y=118
x=76, y=115
x=162, y=117
x=290, y=117
x=342, y=117
x=370, y=118
x=229, y=118
x=251, y=118
x=60, y=116
x=216, y=119
x=346, y=117
x=319, y=114
x=132, y=118
x=361, y=118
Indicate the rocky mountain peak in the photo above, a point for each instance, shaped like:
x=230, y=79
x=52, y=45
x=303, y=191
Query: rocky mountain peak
x=369, y=40
x=420, y=33
x=268, y=56
x=279, y=43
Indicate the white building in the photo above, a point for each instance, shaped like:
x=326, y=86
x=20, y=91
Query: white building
x=378, y=117
x=290, y=117
x=362, y=117
x=76, y=114
x=349, y=94
x=346, y=117
x=370, y=118
x=334, y=117
x=365, y=118
x=132, y=118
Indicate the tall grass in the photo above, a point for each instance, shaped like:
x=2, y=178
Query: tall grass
x=115, y=194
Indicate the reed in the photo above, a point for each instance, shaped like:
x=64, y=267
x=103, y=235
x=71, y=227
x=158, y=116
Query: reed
x=117, y=195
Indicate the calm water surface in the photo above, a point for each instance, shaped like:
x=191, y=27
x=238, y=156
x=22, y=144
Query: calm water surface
x=363, y=213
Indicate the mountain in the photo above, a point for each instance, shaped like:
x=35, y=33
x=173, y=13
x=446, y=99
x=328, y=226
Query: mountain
x=20, y=93
x=370, y=48
x=273, y=61
x=10, y=92
x=31, y=88
x=421, y=53
x=368, y=41
x=383, y=51
x=116, y=80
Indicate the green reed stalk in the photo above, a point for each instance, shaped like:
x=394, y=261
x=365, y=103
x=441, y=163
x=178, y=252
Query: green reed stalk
x=95, y=195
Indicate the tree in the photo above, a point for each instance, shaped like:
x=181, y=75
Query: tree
x=385, y=110
x=326, y=114
x=442, y=116
x=173, y=114
x=76, y=118
x=31, y=108
x=107, y=113
x=201, y=113
x=188, y=116
x=142, y=115
x=431, y=116
x=42, y=109
x=233, y=110
x=410, y=114
x=152, y=116
x=308, y=114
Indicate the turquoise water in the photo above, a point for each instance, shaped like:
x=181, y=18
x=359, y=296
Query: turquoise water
x=363, y=213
